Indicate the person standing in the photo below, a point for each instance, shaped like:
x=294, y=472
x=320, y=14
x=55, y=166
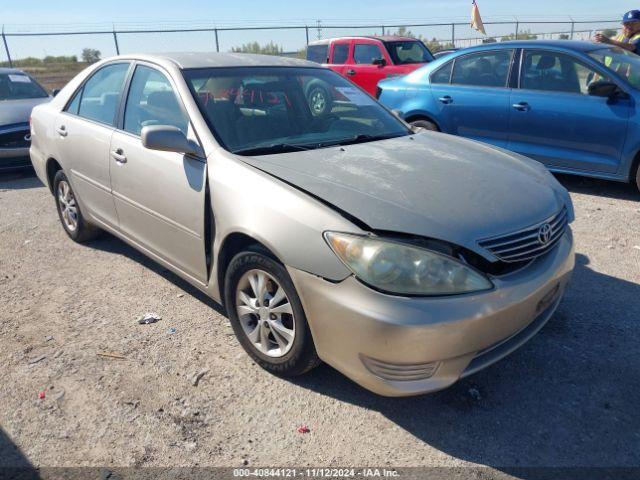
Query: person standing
x=629, y=39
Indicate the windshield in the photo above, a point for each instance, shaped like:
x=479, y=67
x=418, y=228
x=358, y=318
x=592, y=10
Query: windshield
x=257, y=110
x=407, y=52
x=18, y=86
x=621, y=61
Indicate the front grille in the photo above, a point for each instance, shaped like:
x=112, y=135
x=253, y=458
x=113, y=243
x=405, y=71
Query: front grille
x=528, y=244
x=400, y=371
x=15, y=137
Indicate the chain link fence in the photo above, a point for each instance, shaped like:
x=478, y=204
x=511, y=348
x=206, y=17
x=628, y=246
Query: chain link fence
x=49, y=55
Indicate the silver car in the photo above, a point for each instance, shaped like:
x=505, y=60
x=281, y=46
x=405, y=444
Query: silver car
x=406, y=260
x=19, y=93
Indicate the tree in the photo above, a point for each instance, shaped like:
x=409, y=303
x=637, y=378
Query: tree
x=563, y=36
x=524, y=35
x=90, y=55
x=435, y=45
x=254, y=47
x=405, y=32
x=489, y=40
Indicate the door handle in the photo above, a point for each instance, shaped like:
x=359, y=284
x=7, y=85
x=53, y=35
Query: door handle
x=351, y=72
x=119, y=156
x=62, y=131
x=522, y=106
x=446, y=99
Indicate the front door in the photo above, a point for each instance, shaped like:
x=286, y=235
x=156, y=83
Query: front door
x=473, y=101
x=83, y=136
x=159, y=196
x=556, y=121
x=363, y=72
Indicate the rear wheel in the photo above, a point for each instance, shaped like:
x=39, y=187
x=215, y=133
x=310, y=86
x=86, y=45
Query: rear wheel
x=267, y=316
x=426, y=124
x=319, y=101
x=69, y=212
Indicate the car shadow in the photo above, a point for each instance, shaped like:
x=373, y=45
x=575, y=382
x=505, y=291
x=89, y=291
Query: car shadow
x=108, y=243
x=601, y=188
x=14, y=464
x=568, y=398
x=20, y=180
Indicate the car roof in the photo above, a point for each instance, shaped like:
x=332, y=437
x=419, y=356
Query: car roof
x=187, y=60
x=382, y=38
x=10, y=70
x=576, y=45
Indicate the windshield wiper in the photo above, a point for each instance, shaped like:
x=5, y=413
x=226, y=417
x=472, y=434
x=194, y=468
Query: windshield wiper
x=274, y=148
x=361, y=138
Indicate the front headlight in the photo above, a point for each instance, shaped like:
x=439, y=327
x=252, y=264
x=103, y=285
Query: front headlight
x=404, y=269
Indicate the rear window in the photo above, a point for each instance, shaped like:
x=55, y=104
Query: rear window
x=18, y=86
x=318, y=53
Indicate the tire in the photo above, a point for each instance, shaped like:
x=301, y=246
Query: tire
x=426, y=124
x=274, y=351
x=319, y=101
x=638, y=176
x=73, y=222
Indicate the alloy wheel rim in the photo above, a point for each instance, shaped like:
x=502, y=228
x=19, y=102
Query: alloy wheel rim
x=265, y=313
x=68, y=206
x=318, y=102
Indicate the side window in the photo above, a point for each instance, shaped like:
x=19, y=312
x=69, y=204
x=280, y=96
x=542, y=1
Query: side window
x=101, y=93
x=556, y=72
x=485, y=69
x=317, y=53
x=74, y=105
x=443, y=74
x=366, y=53
x=340, y=53
x=152, y=101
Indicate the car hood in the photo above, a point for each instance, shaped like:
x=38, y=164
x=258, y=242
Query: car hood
x=430, y=184
x=18, y=111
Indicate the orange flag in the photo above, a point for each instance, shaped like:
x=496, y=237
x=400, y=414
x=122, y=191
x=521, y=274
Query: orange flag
x=476, y=19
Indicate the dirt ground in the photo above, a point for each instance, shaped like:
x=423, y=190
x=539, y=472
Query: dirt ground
x=570, y=397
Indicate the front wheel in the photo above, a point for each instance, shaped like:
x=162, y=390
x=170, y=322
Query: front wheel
x=267, y=316
x=426, y=124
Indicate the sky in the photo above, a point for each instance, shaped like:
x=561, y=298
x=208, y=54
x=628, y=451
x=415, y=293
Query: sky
x=69, y=15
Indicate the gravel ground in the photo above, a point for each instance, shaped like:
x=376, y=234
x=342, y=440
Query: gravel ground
x=570, y=397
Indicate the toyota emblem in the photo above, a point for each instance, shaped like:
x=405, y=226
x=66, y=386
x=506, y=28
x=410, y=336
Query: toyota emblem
x=544, y=234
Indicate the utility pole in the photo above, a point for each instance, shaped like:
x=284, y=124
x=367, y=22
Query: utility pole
x=115, y=39
x=6, y=47
x=319, y=28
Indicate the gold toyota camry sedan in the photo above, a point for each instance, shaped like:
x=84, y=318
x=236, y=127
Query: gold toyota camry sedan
x=405, y=259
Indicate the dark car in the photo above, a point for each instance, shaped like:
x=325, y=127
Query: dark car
x=19, y=93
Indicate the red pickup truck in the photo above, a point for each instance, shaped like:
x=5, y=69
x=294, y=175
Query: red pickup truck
x=367, y=60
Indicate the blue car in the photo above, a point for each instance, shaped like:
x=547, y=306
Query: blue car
x=570, y=105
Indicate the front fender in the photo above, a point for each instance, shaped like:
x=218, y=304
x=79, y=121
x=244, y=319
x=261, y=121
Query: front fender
x=286, y=220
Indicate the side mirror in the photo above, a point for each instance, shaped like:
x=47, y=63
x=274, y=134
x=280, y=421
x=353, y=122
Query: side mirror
x=381, y=62
x=55, y=91
x=166, y=138
x=605, y=89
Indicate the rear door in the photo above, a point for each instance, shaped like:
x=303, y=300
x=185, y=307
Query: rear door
x=159, y=196
x=363, y=71
x=556, y=121
x=83, y=137
x=472, y=94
